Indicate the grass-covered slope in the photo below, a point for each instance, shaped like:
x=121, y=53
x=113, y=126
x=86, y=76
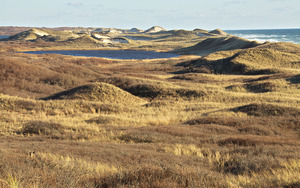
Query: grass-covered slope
x=43, y=34
x=268, y=110
x=215, y=44
x=101, y=92
x=263, y=59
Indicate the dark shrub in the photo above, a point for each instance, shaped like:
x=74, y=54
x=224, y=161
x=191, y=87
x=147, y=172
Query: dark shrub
x=41, y=128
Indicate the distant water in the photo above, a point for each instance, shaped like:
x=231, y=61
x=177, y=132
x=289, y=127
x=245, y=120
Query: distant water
x=112, y=54
x=4, y=36
x=272, y=35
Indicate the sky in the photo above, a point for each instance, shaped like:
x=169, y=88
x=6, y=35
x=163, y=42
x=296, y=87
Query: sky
x=170, y=14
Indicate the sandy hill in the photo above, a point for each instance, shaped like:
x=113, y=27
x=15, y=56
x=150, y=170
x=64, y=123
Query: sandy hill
x=31, y=34
x=268, y=110
x=181, y=33
x=211, y=45
x=267, y=57
x=263, y=59
x=134, y=30
x=282, y=46
x=218, y=32
x=84, y=41
x=46, y=35
x=155, y=29
x=97, y=35
x=101, y=92
x=202, y=32
x=107, y=39
x=13, y=30
x=108, y=31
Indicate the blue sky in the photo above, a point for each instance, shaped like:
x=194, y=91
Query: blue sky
x=183, y=14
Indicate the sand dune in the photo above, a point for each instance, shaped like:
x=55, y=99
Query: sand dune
x=211, y=45
x=154, y=29
x=218, y=32
x=31, y=34
x=101, y=92
x=263, y=59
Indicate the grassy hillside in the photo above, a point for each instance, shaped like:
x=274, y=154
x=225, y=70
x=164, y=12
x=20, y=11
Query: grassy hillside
x=215, y=44
x=263, y=59
x=227, y=119
x=100, y=92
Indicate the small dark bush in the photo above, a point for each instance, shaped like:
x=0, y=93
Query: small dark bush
x=261, y=87
x=136, y=138
x=246, y=164
x=41, y=128
x=232, y=122
x=146, y=176
x=295, y=79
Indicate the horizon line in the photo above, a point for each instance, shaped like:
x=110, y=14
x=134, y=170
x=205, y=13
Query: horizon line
x=149, y=27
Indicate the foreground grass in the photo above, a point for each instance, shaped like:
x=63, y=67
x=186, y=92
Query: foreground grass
x=164, y=143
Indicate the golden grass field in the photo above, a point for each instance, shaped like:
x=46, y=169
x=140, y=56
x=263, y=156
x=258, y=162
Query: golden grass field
x=227, y=118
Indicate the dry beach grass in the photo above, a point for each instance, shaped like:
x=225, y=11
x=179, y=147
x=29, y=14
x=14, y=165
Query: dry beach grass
x=226, y=119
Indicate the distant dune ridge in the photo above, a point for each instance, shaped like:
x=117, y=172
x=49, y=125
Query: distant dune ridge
x=113, y=37
x=74, y=38
x=104, y=35
x=182, y=33
x=47, y=35
x=87, y=40
x=155, y=29
x=218, y=32
x=31, y=34
x=135, y=30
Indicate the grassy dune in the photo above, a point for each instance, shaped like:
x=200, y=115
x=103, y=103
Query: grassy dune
x=263, y=59
x=227, y=119
x=214, y=44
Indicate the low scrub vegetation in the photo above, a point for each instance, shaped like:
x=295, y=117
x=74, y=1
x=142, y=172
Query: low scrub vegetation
x=227, y=119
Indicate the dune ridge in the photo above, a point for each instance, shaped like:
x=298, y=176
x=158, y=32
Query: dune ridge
x=101, y=92
x=212, y=45
x=253, y=58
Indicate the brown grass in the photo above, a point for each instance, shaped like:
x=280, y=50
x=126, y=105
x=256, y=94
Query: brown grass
x=251, y=61
x=150, y=123
x=41, y=128
x=268, y=110
x=216, y=44
x=101, y=92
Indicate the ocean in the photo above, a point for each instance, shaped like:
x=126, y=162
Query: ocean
x=272, y=35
